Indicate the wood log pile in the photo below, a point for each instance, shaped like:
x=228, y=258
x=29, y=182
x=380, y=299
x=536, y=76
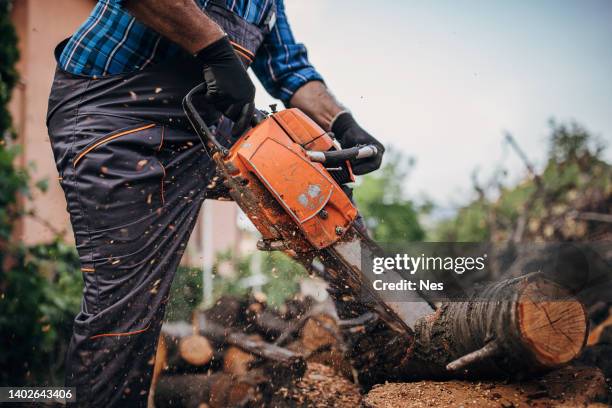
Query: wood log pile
x=241, y=352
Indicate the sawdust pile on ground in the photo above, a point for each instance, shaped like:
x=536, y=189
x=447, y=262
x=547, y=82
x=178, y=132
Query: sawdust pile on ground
x=321, y=387
x=568, y=387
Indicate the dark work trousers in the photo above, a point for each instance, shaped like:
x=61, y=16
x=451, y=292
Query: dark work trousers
x=135, y=176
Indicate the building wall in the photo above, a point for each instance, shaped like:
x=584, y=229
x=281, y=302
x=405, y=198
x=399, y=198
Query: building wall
x=40, y=25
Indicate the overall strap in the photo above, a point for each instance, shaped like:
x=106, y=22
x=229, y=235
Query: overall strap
x=221, y=3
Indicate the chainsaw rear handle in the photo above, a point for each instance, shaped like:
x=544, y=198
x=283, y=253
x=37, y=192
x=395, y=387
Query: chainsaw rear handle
x=333, y=157
x=209, y=140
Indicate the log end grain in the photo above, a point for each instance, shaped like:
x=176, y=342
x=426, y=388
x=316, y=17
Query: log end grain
x=552, y=324
x=196, y=350
x=319, y=331
x=237, y=361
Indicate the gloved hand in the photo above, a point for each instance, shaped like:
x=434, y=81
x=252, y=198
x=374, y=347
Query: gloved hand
x=228, y=86
x=350, y=134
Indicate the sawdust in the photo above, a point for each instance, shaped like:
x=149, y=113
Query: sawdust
x=567, y=387
x=321, y=387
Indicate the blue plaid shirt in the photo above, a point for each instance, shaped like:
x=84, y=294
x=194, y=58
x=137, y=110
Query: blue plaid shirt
x=111, y=41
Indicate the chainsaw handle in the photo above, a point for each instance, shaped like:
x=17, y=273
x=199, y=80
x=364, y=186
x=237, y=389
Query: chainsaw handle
x=333, y=157
x=207, y=137
x=209, y=140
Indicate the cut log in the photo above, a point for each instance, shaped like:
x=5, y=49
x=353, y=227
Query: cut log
x=237, y=361
x=187, y=391
x=283, y=365
x=299, y=320
x=320, y=331
x=228, y=311
x=521, y=326
x=515, y=327
x=218, y=390
x=335, y=359
x=237, y=391
x=265, y=321
x=195, y=350
x=297, y=307
x=182, y=350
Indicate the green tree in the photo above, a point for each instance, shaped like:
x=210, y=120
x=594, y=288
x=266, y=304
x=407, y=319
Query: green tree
x=575, y=177
x=380, y=197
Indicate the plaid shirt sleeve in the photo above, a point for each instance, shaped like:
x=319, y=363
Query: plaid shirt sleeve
x=281, y=64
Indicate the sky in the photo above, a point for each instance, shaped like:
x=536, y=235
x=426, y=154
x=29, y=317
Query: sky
x=442, y=80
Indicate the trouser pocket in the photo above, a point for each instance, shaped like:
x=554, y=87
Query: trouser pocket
x=119, y=176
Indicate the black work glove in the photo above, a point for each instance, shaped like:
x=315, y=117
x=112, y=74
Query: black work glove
x=350, y=134
x=228, y=86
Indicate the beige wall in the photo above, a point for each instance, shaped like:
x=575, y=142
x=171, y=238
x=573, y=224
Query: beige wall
x=40, y=25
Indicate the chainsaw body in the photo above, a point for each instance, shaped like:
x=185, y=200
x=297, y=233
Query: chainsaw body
x=309, y=209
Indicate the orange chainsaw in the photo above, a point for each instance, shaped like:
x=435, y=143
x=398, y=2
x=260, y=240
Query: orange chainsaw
x=287, y=174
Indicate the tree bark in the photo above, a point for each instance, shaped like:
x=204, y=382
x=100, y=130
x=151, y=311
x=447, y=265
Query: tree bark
x=265, y=321
x=520, y=326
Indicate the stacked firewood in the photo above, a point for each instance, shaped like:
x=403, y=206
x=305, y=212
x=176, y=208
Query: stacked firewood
x=242, y=352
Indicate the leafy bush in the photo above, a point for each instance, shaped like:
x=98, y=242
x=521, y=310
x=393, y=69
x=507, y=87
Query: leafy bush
x=40, y=297
x=390, y=216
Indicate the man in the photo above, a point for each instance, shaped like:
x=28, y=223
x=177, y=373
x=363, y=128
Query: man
x=135, y=174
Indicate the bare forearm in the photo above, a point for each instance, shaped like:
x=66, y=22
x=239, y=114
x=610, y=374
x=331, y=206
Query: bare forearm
x=181, y=21
x=316, y=101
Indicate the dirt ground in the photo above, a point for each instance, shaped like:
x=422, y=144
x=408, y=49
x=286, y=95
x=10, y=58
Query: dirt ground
x=321, y=387
x=567, y=387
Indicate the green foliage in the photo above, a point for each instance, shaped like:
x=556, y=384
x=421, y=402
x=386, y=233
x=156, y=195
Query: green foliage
x=185, y=294
x=230, y=274
x=9, y=55
x=469, y=225
x=283, y=274
x=40, y=295
x=575, y=176
x=12, y=180
x=390, y=216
